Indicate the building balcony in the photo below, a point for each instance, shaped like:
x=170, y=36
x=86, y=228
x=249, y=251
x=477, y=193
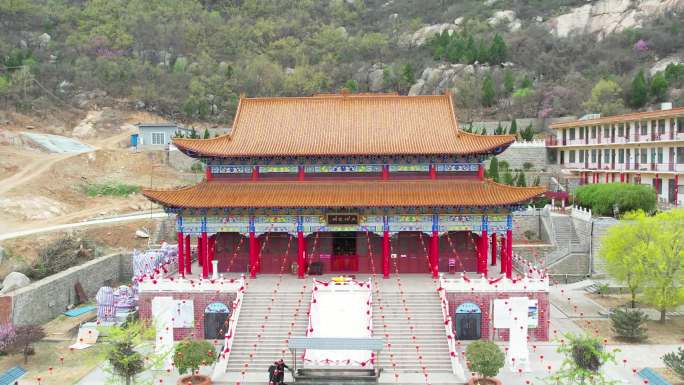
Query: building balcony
x=621, y=167
x=552, y=140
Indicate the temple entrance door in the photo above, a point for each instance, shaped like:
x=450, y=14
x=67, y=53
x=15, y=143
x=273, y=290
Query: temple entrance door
x=468, y=321
x=344, y=257
x=215, y=321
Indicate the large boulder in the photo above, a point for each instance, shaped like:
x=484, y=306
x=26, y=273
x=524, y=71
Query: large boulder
x=426, y=33
x=661, y=64
x=607, y=16
x=14, y=281
x=507, y=17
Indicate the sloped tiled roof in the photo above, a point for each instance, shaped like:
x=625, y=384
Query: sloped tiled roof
x=351, y=193
x=345, y=125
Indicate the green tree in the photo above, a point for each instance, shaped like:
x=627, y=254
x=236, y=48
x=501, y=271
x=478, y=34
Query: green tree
x=493, y=171
x=508, y=178
x=655, y=251
x=583, y=357
x=508, y=82
x=606, y=98
x=628, y=324
x=527, y=134
x=675, y=361
x=407, y=74
x=513, y=129
x=499, y=130
x=659, y=87
x=664, y=268
x=118, y=350
x=191, y=354
x=537, y=181
x=498, y=51
x=206, y=133
x=351, y=85
x=520, y=180
x=484, y=358
x=488, y=94
x=623, y=250
x=638, y=91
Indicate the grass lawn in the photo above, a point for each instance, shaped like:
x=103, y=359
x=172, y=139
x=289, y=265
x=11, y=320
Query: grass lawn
x=77, y=363
x=670, y=332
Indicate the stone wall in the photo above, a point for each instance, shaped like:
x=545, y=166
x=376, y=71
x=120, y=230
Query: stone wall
x=526, y=221
x=601, y=226
x=516, y=156
x=484, y=301
x=200, y=302
x=49, y=297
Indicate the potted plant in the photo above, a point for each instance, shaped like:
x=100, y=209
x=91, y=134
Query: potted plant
x=189, y=356
x=485, y=359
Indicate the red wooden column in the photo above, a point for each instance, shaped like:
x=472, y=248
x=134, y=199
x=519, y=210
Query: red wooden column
x=657, y=186
x=212, y=244
x=181, y=240
x=480, y=171
x=385, y=172
x=385, y=248
x=255, y=173
x=301, y=248
x=493, y=249
x=188, y=255
x=622, y=177
x=676, y=189
x=433, y=171
x=509, y=246
x=199, y=251
x=205, y=250
x=253, y=245
x=300, y=173
x=208, y=174
x=606, y=177
x=434, y=246
x=485, y=244
x=503, y=255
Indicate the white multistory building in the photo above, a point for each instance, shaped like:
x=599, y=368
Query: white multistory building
x=641, y=147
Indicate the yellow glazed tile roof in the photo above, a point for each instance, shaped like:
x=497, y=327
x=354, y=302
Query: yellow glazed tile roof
x=345, y=125
x=349, y=193
x=674, y=112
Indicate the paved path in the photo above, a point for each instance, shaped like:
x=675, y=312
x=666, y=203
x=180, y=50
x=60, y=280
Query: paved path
x=121, y=218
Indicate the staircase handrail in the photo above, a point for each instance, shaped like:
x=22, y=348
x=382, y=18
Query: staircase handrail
x=456, y=368
x=222, y=364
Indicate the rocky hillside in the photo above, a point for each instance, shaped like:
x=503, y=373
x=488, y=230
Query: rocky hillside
x=190, y=59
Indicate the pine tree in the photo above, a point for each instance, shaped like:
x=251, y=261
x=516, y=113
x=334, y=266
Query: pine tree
x=407, y=74
x=498, y=50
x=509, y=82
x=193, y=134
x=488, y=94
x=499, y=130
x=520, y=180
x=508, y=178
x=513, y=129
x=659, y=87
x=206, y=133
x=537, y=181
x=675, y=361
x=628, y=323
x=638, y=92
x=494, y=169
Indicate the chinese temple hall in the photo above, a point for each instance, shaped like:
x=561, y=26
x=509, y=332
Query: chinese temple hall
x=345, y=183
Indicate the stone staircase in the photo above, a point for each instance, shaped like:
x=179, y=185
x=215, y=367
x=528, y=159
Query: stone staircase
x=426, y=317
x=272, y=343
x=422, y=301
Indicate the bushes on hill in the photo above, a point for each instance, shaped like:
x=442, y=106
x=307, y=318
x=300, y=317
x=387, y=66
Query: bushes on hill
x=603, y=199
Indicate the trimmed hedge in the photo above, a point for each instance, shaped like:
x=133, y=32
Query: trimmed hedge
x=601, y=198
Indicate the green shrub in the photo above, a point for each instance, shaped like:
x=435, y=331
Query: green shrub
x=628, y=324
x=603, y=198
x=675, y=361
x=484, y=358
x=110, y=189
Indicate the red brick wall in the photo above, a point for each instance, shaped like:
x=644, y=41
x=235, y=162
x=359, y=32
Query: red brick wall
x=484, y=301
x=200, y=302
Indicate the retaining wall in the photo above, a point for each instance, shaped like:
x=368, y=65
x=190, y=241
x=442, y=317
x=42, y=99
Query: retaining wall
x=49, y=297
